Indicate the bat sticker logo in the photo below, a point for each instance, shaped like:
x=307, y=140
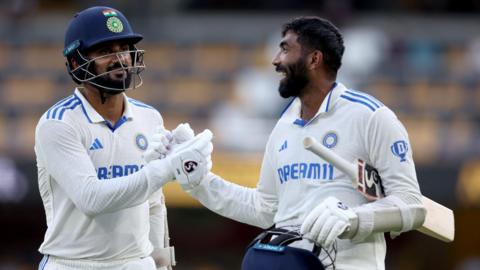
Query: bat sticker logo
x=400, y=149
x=189, y=166
x=369, y=181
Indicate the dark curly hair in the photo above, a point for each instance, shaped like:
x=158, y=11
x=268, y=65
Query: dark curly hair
x=315, y=33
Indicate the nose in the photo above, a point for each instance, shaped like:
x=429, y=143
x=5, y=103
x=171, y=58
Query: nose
x=276, y=59
x=123, y=56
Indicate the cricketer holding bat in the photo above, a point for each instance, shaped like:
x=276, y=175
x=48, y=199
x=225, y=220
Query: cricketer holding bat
x=99, y=172
x=296, y=188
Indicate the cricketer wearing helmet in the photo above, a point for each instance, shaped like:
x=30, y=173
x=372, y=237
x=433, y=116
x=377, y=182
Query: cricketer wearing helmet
x=297, y=189
x=99, y=172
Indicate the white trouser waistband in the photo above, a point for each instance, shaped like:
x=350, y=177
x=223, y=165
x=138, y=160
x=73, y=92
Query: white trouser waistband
x=56, y=263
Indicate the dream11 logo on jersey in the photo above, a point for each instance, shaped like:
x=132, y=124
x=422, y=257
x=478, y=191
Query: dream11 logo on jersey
x=400, y=149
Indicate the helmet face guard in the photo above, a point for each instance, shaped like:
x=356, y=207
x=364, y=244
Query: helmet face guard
x=271, y=250
x=85, y=71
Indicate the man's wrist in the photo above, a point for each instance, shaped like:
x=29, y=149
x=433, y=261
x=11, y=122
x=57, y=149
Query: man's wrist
x=159, y=172
x=204, y=181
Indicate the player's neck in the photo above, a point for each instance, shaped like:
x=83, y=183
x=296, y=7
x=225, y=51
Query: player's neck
x=111, y=110
x=312, y=98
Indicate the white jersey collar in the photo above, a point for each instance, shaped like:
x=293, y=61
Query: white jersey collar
x=93, y=116
x=292, y=112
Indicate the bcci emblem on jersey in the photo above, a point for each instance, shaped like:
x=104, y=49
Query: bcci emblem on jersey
x=141, y=142
x=400, y=149
x=330, y=139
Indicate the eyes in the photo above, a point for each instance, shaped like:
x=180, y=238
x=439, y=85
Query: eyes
x=283, y=47
x=105, y=51
x=113, y=49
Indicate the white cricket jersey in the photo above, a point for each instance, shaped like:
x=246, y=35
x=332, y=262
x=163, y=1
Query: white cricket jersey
x=78, y=152
x=293, y=181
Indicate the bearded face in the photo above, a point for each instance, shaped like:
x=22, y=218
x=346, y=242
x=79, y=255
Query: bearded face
x=109, y=66
x=117, y=77
x=295, y=78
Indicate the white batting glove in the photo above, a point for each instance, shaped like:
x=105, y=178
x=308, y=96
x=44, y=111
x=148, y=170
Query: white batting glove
x=182, y=133
x=163, y=141
x=328, y=221
x=191, y=159
x=159, y=146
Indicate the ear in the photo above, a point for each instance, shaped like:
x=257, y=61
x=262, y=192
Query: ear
x=315, y=60
x=73, y=63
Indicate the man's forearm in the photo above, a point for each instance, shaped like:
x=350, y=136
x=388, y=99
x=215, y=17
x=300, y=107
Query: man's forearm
x=239, y=203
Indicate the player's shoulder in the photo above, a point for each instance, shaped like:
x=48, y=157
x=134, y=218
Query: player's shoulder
x=61, y=110
x=361, y=104
x=59, y=114
x=142, y=108
x=359, y=100
x=139, y=104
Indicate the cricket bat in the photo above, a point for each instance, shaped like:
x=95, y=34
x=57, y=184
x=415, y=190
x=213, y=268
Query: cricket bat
x=439, y=221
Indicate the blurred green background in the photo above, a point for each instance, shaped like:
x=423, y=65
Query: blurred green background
x=209, y=64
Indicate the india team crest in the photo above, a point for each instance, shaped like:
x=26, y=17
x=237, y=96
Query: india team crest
x=114, y=24
x=141, y=142
x=330, y=139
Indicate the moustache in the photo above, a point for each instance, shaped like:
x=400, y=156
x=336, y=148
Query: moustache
x=115, y=66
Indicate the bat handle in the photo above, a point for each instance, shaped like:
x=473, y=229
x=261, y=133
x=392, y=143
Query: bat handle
x=314, y=146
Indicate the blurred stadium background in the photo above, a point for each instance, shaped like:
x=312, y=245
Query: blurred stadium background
x=209, y=64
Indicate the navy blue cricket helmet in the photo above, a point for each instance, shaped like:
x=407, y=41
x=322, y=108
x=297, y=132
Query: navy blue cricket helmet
x=94, y=26
x=271, y=251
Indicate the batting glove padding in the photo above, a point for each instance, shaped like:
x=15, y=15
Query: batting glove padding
x=160, y=144
x=182, y=133
x=163, y=141
x=328, y=221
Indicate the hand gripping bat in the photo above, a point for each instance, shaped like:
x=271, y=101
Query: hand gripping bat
x=439, y=222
